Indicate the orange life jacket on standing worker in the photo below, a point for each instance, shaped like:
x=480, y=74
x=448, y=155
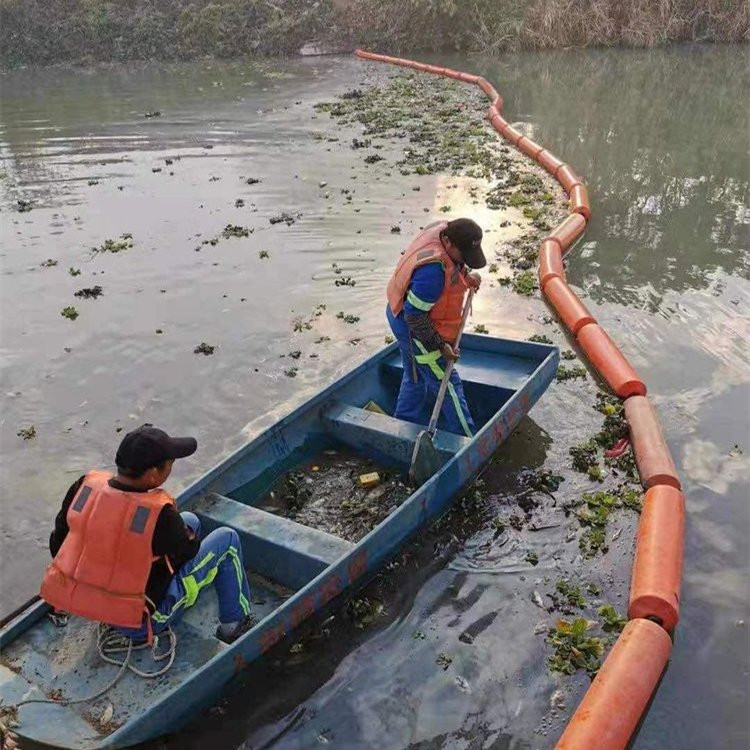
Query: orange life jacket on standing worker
x=101, y=569
x=446, y=313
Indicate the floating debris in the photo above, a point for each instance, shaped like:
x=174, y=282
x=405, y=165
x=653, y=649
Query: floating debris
x=444, y=661
x=481, y=328
x=525, y=283
x=614, y=622
x=49, y=263
x=74, y=271
x=263, y=254
x=532, y=557
x=396, y=229
x=291, y=372
x=540, y=338
x=239, y=203
x=91, y=292
x=285, y=217
x=363, y=611
x=125, y=242
x=345, y=281
x=235, y=230
x=569, y=595
x=204, y=348
x=154, y=113
x=23, y=206
x=570, y=373
x=252, y=181
x=27, y=433
x=69, y=312
x=388, y=339
x=347, y=317
x=574, y=648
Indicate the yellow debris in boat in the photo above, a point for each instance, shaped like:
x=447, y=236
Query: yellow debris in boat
x=372, y=406
x=369, y=480
x=315, y=468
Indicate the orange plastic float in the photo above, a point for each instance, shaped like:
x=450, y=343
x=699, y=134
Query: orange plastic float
x=612, y=707
x=529, y=147
x=657, y=568
x=609, y=362
x=488, y=89
x=609, y=712
x=512, y=135
x=654, y=461
x=567, y=177
x=550, y=262
x=571, y=310
x=568, y=231
x=549, y=161
x=579, y=201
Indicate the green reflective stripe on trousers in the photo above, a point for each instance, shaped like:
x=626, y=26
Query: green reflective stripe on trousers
x=459, y=410
x=194, y=587
x=420, y=304
x=430, y=359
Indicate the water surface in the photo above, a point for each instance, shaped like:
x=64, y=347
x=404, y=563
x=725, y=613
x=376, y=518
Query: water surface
x=661, y=139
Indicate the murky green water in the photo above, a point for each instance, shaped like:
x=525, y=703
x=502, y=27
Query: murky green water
x=661, y=138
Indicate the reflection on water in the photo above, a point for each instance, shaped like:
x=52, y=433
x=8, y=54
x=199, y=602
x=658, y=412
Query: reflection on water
x=661, y=138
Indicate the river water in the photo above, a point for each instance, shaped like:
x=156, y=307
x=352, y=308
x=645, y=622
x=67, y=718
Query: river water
x=661, y=139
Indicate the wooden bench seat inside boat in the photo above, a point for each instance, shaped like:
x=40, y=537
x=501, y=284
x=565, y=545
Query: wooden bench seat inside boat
x=273, y=546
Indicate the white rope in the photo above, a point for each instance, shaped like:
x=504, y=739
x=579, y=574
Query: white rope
x=110, y=642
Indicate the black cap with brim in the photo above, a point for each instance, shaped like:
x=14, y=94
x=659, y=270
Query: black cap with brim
x=466, y=235
x=149, y=446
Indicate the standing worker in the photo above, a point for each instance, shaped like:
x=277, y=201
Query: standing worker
x=125, y=556
x=425, y=304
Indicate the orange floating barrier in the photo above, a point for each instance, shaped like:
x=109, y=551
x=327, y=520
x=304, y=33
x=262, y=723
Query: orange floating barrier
x=488, y=88
x=499, y=103
x=549, y=161
x=652, y=456
x=499, y=124
x=550, y=262
x=609, y=361
x=564, y=300
x=512, y=135
x=657, y=568
x=567, y=178
x=609, y=713
x=579, y=201
x=529, y=147
x=568, y=231
x=468, y=77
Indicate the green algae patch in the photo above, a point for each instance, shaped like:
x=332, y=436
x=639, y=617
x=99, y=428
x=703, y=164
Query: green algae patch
x=574, y=648
x=69, y=312
x=525, y=283
x=613, y=621
x=570, y=373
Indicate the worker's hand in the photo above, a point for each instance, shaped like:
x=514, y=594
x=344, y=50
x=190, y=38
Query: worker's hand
x=190, y=532
x=449, y=352
x=474, y=280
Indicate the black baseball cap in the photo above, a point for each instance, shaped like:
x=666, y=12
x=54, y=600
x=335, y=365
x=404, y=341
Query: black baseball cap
x=149, y=446
x=466, y=235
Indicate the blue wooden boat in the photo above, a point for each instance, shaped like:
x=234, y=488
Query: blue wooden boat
x=296, y=570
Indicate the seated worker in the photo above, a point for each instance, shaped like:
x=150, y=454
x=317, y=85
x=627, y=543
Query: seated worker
x=124, y=556
x=425, y=303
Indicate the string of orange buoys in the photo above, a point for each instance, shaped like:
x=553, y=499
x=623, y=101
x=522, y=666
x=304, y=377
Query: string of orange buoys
x=614, y=703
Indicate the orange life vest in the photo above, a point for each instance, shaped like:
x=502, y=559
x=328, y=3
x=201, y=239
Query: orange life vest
x=426, y=248
x=101, y=569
